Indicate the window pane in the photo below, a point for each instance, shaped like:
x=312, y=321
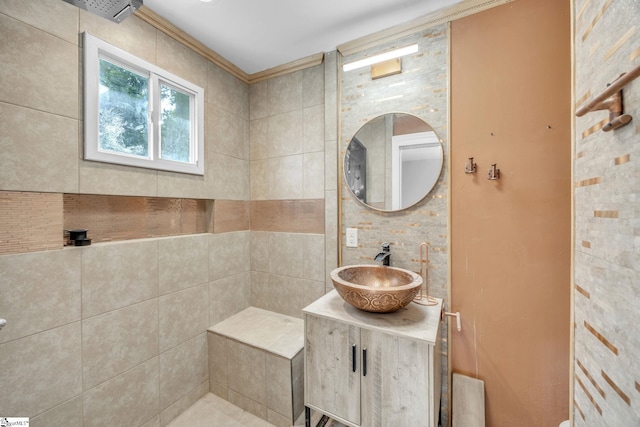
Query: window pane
x=124, y=106
x=175, y=130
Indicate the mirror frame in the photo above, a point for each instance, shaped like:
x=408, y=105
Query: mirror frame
x=426, y=192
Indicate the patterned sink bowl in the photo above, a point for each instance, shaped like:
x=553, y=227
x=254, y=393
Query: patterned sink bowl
x=376, y=288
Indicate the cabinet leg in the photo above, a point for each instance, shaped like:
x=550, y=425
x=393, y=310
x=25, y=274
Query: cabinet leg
x=307, y=416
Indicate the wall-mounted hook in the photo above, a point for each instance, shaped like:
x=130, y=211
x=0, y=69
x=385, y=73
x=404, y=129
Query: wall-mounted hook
x=470, y=166
x=493, y=173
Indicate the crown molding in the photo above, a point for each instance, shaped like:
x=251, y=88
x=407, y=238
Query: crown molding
x=161, y=24
x=157, y=21
x=465, y=8
x=460, y=10
x=290, y=67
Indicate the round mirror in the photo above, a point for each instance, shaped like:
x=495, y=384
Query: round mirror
x=393, y=162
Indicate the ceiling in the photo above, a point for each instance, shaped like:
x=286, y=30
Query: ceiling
x=256, y=35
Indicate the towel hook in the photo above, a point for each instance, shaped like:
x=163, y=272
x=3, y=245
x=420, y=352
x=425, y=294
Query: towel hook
x=470, y=166
x=493, y=173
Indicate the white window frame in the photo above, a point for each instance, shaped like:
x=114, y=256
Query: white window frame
x=94, y=49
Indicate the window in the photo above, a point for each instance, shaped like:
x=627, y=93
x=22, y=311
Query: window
x=137, y=114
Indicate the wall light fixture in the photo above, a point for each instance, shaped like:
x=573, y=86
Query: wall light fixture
x=397, y=53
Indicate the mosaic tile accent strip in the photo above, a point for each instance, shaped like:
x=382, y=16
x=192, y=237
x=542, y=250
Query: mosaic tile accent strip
x=30, y=222
x=293, y=216
x=230, y=215
x=114, y=218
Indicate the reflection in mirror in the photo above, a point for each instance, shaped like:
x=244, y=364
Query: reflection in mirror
x=393, y=162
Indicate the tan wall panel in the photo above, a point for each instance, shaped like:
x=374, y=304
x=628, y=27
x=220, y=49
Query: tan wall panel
x=511, y=238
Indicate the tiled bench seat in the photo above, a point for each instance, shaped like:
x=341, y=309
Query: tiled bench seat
x=256, y=362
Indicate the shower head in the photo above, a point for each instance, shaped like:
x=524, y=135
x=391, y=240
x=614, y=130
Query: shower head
x=113, y=10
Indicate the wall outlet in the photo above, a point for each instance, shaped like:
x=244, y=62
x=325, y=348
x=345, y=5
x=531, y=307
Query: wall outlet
x=352, y=237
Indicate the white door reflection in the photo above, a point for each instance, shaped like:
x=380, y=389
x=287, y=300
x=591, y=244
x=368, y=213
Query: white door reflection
x=416, y=159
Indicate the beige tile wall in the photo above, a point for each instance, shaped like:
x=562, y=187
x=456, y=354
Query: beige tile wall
x=287, y=270
x=107, y=297
x=117, y=328
x=288, y=156
x=287, y=136
x=112, y=331
x=41, y=108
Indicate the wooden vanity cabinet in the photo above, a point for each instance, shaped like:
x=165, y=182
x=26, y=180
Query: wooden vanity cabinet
x=373, y=370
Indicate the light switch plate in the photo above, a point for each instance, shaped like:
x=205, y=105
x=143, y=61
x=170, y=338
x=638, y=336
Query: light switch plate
x=352, y=237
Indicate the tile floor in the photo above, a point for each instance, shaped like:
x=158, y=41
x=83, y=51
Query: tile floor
x=212, y=411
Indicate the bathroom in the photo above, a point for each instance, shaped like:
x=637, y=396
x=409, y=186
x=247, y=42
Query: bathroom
x=543, y=264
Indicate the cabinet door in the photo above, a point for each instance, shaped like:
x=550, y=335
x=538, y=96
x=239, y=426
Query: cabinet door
x=330, y=381
x=395, y=389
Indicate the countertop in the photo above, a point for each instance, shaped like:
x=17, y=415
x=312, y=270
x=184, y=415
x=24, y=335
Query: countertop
x=414, y=321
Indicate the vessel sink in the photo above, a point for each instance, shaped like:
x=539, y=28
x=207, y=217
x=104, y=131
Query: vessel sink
x=376, y=288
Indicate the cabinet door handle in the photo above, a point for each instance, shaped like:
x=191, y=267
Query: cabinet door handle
x=353, y=357
x=364, y=362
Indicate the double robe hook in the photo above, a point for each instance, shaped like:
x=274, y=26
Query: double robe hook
x=472, y=167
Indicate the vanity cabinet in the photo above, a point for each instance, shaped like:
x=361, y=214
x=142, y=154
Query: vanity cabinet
x=373, y=369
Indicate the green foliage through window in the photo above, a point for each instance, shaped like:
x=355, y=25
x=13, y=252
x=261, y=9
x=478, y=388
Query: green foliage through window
x=124, y=109
x=175, y=129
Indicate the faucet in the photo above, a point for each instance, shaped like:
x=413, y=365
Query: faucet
x=385, y=255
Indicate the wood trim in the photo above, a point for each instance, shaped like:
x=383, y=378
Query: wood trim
x=460, y=10
x=280, y=70
x=161, y=24
x=157, y=21
x=340, y=158
x=449, y=330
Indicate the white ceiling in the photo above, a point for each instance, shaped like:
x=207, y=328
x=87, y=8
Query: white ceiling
x=256, y=35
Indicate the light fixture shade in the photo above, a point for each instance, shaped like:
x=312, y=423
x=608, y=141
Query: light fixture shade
x=386, y=68
x=396, y=53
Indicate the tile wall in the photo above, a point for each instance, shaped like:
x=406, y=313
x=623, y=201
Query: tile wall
x=113, y=331
x=607, y=220
x=125, y=321
x=287, y=146
x=40, y=103
x=421, y=89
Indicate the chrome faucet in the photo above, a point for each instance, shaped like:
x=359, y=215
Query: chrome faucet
x=385, y=255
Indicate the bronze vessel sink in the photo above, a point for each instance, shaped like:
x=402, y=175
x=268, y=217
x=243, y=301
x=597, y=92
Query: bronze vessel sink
x=376, y=288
